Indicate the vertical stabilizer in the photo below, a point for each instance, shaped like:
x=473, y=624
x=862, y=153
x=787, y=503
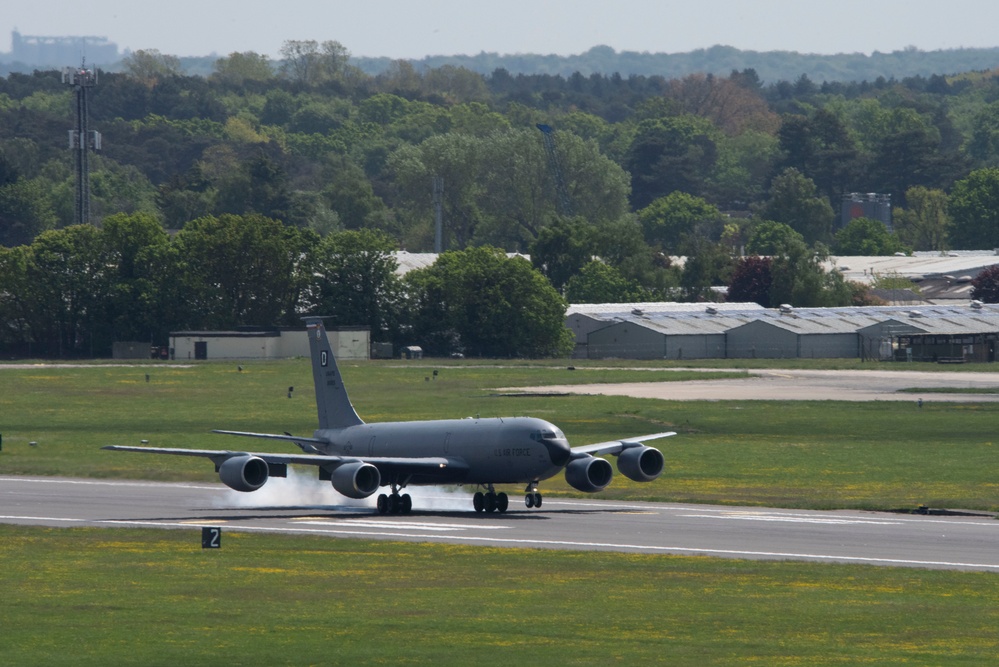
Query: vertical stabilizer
x=335, y=410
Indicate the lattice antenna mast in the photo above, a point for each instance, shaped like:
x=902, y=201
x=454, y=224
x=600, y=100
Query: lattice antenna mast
x=81, y=139
x=438, y=199
x=564, y=204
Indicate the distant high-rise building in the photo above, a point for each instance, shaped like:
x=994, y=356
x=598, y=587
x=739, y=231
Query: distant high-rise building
x=57, y=51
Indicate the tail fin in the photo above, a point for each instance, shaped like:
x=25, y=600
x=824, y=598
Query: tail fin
x=335, y=410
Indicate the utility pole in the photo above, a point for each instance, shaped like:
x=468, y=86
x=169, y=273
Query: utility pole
x=555, y=165
x=82, y=140
x=438, y=214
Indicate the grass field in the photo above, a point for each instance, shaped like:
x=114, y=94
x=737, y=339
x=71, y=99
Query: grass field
x=145, y=597
x=883, y=455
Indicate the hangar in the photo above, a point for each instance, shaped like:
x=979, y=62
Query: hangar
x=788, y=338
x=699, y=331
x=689, y=325
x=680, y=338
x=953, y=338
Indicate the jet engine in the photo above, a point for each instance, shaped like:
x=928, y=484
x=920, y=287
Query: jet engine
x=356, y=480
x=641, y=464
x=244, y=473
x=590, y=474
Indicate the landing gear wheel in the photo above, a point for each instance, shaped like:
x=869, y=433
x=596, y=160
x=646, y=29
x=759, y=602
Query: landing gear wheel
x=537, y=500
x=406, y=504
x=382, y=503
x=529, y=500
x=490, y=502
x=502, y=502
x=394, y=503
x=478, y=501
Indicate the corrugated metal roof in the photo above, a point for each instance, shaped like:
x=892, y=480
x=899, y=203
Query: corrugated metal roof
x=953, y=326
x=863, y=269
x=688, y=326
x=658, y=307
x=805, y=326
x=930, y=318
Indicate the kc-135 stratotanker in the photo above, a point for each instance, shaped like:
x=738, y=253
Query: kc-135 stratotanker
x=360, y=458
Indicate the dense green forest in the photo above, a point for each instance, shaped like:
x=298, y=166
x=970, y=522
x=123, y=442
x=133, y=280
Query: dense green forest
x=641, y=169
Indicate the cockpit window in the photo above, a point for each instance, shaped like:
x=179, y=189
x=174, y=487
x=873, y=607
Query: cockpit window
x=538, y=436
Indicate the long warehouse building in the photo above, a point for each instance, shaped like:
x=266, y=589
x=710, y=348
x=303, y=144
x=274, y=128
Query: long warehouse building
x=745, y=331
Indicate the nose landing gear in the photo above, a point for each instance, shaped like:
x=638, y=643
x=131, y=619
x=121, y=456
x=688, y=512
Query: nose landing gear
x=532, y=497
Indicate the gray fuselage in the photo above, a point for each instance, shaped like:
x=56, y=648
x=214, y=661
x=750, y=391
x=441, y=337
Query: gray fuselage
x=484, y=451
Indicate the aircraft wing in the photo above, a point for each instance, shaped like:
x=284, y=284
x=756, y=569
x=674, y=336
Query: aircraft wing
x=426, y=465
x=615, y=447
x=273, y=436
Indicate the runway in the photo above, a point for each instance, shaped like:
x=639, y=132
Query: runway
x=884, y=539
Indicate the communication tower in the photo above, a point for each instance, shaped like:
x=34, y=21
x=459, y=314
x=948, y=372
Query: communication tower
x=438, y=214
x=564, y=203
x=82, y=140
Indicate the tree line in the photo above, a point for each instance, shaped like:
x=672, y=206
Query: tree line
x=74, y=291
x=707, y=168
x=718, y=60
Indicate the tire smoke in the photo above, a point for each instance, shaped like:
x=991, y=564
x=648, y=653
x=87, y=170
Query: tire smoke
x=300, y=489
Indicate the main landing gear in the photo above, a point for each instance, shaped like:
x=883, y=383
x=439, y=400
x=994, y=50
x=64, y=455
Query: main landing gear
x=490, y=501
x=394, y=503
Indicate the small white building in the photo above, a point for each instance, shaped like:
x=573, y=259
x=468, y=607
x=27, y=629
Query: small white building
x=347, y=343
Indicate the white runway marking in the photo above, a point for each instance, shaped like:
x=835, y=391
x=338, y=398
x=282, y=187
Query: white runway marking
x=83, y=482
x=41, y=518
x=389, y=525
x=786, y=518
x=708, y=513
x=603, y=505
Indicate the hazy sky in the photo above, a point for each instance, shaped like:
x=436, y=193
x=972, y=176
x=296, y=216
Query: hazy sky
x=416, y=28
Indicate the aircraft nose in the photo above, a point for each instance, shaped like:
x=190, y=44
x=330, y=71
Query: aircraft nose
x=558, y=450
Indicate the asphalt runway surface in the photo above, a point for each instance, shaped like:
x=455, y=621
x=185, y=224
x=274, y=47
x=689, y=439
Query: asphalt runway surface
x=294, y=505
x=800, y=385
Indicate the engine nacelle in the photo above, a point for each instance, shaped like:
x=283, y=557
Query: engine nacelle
x=641, y=464
x=244, y=473
x=356, y=480
x=590, y=474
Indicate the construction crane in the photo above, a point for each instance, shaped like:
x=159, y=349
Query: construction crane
x=564, y=204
